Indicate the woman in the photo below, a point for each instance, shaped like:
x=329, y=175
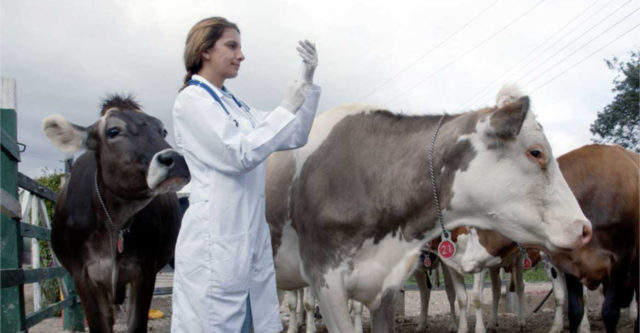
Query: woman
x=224, y=269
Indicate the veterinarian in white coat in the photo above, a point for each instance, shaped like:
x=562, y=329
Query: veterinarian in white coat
x=223, y=259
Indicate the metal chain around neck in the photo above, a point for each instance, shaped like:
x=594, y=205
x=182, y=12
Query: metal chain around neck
x=104, y=208
x=433, y=178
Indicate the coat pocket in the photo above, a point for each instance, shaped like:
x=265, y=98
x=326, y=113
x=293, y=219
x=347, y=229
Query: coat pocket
x=231, y=261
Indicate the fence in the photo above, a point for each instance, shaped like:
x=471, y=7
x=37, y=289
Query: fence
x=13, y=229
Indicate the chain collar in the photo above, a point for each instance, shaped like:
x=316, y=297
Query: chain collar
x=104, y=208
x=445, y=233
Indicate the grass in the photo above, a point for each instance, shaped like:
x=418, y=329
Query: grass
x=536, y=274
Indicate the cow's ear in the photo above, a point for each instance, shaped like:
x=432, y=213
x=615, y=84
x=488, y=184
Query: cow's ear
x=66, y=136
x=507, y=120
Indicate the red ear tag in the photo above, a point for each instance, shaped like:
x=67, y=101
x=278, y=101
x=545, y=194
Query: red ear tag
x=120, y=243
x=427, y=261
x=446, y=248
x=527, y=263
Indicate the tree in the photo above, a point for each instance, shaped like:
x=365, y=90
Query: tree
x=619, y=122
x=50, y=288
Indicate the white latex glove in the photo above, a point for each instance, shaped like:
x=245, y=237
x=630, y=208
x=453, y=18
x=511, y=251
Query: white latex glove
x=294, y=96
x=307, y=51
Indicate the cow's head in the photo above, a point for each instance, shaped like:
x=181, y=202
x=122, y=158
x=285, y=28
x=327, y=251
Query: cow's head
x=514, y=182
x=134, y=160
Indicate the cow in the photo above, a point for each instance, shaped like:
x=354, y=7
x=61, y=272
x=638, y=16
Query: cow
x=559, y=288
x=479, y=251
x=350, y=211
x=605, y=181
x=117, y=217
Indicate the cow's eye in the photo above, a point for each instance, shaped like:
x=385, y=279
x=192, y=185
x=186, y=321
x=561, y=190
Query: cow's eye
x=535, y=153
x=113, y=132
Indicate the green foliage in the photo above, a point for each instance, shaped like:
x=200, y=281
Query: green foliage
x=536, y=274
x=619, y=122
x=50, y=288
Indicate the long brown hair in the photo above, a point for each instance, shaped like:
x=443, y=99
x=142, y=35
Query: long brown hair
x=202, y=36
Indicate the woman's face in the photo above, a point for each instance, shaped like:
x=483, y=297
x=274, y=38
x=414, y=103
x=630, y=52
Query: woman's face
x=226, y=54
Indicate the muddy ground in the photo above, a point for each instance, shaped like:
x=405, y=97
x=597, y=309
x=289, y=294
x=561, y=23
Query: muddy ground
x=439, y=318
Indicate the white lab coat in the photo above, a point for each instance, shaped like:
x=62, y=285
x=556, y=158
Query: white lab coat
x=224, y=251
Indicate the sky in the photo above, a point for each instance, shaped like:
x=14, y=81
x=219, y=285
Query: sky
x=414, y=57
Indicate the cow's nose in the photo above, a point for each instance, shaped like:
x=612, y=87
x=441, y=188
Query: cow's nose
x=587, y=232
x=167, y=158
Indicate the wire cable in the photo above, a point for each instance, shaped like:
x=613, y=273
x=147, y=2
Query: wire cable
x=428, y=52
x=585, y=58
x=466, y=52
x=523, y=76
x=489, y=87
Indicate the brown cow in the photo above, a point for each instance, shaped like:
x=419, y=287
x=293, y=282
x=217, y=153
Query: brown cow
x=605, y=180
x=115, y=221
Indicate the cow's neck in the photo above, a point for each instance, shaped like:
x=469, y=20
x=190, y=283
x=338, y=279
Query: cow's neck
x=119, y=210
x=417, y=212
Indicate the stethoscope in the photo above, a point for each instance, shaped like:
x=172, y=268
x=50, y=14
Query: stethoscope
x=213, y=94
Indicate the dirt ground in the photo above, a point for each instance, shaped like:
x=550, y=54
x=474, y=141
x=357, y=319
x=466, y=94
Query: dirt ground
x=439, y=318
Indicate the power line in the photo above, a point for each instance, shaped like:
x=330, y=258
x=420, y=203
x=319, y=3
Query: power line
x=428, y=52
x=531, y=53
x=467, y=52
x=585, y=58
x=557, y=52
x=521, y=77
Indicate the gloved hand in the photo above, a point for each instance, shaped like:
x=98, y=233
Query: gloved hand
x=294, y=96
x=307, y=51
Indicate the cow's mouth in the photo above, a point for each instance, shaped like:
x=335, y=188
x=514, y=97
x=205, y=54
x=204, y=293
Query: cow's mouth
x=171, y=184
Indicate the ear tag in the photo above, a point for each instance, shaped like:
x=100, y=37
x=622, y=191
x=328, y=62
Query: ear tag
x=526, y=263
x=120, y=242
x=427, y=261
x=446, y=248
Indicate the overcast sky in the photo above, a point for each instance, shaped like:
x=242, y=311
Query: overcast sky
x=418, y=57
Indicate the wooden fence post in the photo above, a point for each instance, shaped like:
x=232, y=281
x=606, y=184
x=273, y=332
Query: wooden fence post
x=12, y=298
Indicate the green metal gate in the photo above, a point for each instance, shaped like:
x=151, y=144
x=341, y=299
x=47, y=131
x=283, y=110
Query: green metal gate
x=12, y=230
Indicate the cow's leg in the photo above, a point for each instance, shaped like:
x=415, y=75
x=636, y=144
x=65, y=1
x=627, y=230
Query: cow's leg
x=299, y=303
x=559, y=294
x=332, y=298
x=461, y=294
x=516, y=274
x=422, y=278
x=451, y=296
x=356, y=313
x=496, y=285
x=382, y=318
x=576, y=302
x=584, y=324
x=637, y=313
x=292, y=302
x=309, y=304
x=476, y=298
x=140, y=296
x=616, y=293
x=96, y=302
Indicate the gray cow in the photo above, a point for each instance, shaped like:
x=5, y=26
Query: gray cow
x=350, y=211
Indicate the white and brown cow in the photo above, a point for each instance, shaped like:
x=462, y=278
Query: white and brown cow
x=350, y=211
x=479, y=251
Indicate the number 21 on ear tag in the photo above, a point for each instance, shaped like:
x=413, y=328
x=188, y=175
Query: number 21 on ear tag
x=446, y=248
